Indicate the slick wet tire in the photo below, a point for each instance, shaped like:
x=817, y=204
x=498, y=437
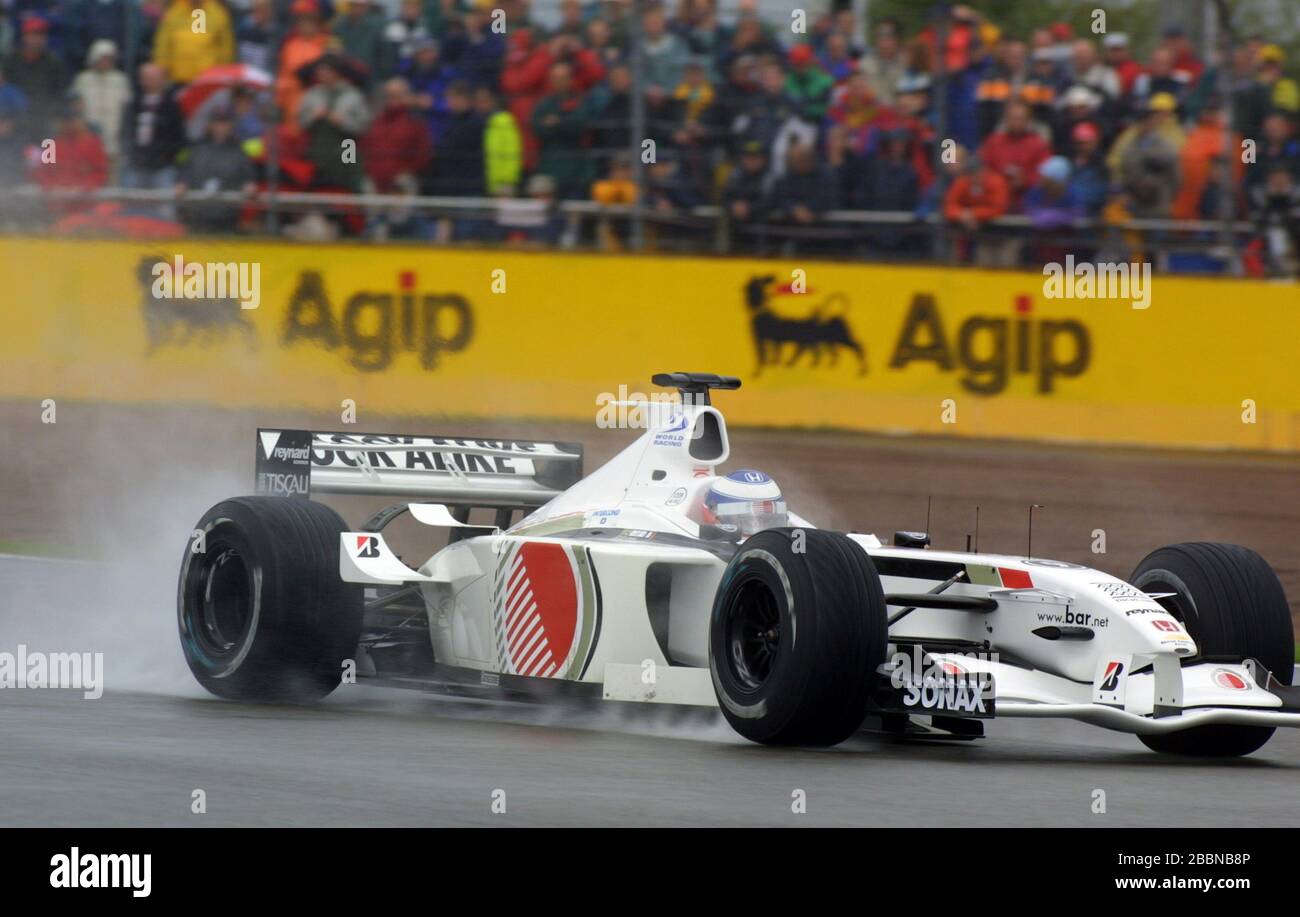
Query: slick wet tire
x=1231, y=603
x=263, y=614
x=797, y=632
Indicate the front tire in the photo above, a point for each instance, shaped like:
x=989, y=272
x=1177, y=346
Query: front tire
x=262, y=612
x=796, y=637
x=1232, y=604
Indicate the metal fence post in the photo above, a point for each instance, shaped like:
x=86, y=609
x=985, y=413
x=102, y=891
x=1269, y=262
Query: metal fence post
x=273, y=135
x=637, y=133
x=940, y=100
x=1223, y=37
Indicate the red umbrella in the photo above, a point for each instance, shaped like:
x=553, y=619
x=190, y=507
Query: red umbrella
x=109, y=219
x=222, y=76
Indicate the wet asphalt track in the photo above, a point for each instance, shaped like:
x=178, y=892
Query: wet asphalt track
x=371, y=756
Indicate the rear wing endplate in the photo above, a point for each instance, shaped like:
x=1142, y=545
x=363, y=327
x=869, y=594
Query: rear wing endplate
x=501, y=473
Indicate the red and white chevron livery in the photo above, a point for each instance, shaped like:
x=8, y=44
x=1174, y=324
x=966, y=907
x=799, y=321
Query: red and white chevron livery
x=537, y=609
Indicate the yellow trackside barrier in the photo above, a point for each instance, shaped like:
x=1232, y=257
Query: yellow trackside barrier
x=407, y=330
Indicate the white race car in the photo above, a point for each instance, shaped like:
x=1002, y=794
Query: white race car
x=640, y=583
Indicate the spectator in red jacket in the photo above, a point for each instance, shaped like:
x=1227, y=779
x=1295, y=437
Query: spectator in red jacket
x=979, y=194
x=398, y=145
x=526, y=78
x=78, y=163
x=1119, y=60
x=1186, y=64
x=1016, y=151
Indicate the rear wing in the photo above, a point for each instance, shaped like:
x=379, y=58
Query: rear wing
x=501, y=473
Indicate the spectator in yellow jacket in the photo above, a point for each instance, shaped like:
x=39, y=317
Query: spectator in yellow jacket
x=503, y=150
x=1281, y=91
x=186, y=43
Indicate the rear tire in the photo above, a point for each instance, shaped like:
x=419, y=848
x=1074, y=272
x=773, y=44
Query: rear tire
x=263, y=614
x=1232, y=604
x=795, y=639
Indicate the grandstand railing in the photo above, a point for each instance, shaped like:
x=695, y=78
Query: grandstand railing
x=703, y=229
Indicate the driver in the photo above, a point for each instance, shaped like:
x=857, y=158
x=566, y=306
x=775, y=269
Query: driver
x=747, y=499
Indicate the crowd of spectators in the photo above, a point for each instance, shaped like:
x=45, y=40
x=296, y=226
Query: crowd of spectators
x=470, y=98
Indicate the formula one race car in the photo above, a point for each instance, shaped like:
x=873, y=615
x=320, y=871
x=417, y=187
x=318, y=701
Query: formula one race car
x=655, y=579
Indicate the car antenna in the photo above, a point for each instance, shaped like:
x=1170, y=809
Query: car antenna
x=977, y=530
x=1029, y=548
x=928, y=498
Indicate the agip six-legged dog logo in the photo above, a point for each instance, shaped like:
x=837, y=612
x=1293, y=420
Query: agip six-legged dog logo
x=182, y=319
x=823, y=332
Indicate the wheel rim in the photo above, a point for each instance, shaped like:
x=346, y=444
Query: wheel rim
x=223, y=609
x=752, y=635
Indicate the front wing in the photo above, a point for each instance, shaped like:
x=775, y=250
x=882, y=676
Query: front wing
x=1135, y=695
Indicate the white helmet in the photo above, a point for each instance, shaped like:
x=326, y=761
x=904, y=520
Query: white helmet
x=747, y=499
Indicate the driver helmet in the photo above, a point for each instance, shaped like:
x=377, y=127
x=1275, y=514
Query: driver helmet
x=747, y=499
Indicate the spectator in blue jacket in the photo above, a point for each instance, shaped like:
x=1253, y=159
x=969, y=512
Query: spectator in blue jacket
x=806, y=191
x=115, y=20
x=1089, y=177
x=1051, y=202
x=430, y=79
x=1279, y=148
x=474, y=49
x=891, y=182
x=13, y=163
